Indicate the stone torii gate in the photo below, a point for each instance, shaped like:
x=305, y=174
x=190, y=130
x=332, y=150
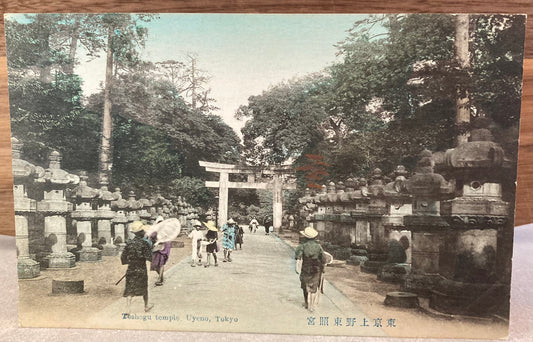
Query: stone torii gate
x=277, y=185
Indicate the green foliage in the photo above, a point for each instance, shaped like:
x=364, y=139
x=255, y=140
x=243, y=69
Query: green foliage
x=498, y=52
x=143, y=155
x=284, y=120
x=193, y=191
x=140, y=96
x=49, y=116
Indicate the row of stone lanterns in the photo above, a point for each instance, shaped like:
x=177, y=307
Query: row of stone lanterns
x=457, y=222
x=57, y=197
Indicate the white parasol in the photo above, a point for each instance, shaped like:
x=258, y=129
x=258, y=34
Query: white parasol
x=167, y=230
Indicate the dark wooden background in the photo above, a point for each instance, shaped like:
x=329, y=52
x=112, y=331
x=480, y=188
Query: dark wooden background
x=524, y=201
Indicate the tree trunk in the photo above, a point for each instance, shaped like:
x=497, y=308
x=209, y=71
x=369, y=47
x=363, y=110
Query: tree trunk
x=193, y=83
x=69, y=68
x=45, y=75
x=462, y=104
x=106, y=157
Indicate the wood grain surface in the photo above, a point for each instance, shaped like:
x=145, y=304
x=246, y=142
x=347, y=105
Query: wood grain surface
x=524, y=200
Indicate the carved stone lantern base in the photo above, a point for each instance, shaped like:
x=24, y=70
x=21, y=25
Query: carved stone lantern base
x=110, y=250
x=474, y=299
x=28, y=268
x=90, y=254
x=60, y=260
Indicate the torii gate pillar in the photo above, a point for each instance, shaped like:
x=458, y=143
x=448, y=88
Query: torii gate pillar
x=223, y=198
x=277, y=203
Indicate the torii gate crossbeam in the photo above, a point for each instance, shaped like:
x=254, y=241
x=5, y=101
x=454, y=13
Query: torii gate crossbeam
x=277, y=185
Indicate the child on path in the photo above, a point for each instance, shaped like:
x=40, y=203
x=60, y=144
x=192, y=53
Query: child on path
x=197, y=236
x=211, y=248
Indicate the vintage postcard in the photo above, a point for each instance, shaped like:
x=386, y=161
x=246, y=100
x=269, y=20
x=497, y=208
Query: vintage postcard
x=317, y=174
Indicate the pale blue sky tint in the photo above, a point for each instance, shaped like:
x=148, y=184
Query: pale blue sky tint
x=247, y=53
x=244, y=53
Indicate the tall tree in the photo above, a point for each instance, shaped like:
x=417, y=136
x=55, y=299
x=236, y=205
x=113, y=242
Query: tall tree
x=190, y=81
x=124, y=37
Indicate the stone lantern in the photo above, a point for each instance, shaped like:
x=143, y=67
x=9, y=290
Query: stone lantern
x=359, y=211
x=476, y=265
x=182, y=212
x=119, y=205
x=158, y=201
x=105, y=215
x=132, y=209
x=376, y=209
x=145, y=213
x=318, y=219
x=428, y=228
x=83, y=196
x=55, y=209
x=23, y=175
x=399, y=204
x=304, y=208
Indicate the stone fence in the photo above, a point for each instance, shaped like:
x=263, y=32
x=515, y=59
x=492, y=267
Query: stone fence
x=60, y=219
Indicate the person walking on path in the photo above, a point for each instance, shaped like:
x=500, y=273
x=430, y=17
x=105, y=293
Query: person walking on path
x=136, y=253
x=239, y=236
x=196, y=236
x=253, y=225
x=160, y=254
x=313, y=262
x=211, y=248
x=268, y=224
x=228, y=239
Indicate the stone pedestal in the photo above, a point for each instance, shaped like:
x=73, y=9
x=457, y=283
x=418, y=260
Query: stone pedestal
x=104, y=215
x=26, y=267
x=55, y=232
x=429, y=230
x=83, y=196
x=23, y=175
x=120, y=221
x=87, y=253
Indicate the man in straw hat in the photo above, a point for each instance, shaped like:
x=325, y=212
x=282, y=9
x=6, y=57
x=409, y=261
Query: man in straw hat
x=211, y=239
x=228, y=239
x=135, y=255
x=313, y=261
x=196, y=236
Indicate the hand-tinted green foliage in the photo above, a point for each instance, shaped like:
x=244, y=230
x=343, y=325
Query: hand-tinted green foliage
x=139, y=96
x=143, y=155
x=383, y=112
x=49, y=116
x=194, y=192
x=284, y=120
x=157, y=138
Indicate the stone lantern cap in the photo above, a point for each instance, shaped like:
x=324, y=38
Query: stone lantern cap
x=306, y=198
x=105, y=195
x=21, y=168
x=54, y=175
x=118, y=203
x=83, y=192
x=332, y=195
x=397, y=189
x=146, y=202
x=376, y=183
x=480, y=152
x=425, y=183
x=133, y=204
